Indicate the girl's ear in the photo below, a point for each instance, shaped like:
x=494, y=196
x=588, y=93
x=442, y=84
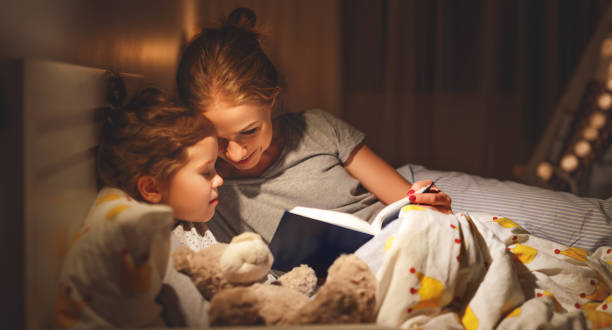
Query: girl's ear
x=150, y=189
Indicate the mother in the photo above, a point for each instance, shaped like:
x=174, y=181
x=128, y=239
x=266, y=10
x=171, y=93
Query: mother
x=272, y=161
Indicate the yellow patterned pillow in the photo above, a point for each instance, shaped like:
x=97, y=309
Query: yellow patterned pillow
x=114, y=268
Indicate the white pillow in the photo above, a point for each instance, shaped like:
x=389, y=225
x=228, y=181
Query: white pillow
x=114, y=268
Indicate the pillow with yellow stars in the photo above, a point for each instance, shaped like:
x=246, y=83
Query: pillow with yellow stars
x=114, y=268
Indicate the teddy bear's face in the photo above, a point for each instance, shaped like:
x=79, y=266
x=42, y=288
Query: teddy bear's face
x=246, y=259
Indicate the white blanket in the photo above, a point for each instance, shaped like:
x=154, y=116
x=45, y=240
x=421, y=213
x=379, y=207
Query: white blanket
x=479, y=271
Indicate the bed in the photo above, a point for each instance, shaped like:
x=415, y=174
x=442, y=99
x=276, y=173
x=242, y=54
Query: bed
x=58, y=112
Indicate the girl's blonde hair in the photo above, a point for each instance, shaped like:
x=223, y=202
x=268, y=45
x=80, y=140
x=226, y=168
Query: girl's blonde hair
x=148, y=136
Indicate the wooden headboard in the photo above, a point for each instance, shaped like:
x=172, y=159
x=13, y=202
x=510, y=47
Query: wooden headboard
x=49, y=118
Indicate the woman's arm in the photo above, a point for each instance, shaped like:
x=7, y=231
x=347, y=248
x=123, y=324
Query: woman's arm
x=387, y=184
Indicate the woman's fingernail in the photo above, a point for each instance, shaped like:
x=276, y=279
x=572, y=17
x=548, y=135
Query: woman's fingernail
x=412, y=198
x=411, y=191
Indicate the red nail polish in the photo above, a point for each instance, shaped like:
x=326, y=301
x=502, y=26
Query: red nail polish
x=412, y=198
x=410, y=192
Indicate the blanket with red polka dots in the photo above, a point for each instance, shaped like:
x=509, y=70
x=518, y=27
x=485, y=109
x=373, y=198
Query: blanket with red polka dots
x=480, y=271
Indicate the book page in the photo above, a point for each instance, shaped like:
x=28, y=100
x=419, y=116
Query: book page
x=392, y=210
x=341, y=219
x=389, y=212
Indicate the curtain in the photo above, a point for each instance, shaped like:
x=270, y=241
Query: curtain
x=459, y=85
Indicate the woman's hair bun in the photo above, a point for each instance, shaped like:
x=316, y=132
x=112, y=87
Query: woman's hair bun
x=242, y=17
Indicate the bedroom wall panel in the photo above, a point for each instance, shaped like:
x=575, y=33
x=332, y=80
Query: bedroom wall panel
x=129, y=36
x=57, y=134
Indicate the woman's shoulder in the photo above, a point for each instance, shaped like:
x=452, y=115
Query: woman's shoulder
x=309, y=113
x=323, y=128
x=311, y=117
x=319, y=114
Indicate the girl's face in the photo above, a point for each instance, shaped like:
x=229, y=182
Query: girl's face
x=192, y=190
x=245, y=133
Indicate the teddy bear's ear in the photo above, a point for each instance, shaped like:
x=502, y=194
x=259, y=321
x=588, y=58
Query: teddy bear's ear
x=246, y=261
x=182, y=258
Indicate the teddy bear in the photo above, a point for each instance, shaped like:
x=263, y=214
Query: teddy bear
x=233, y=277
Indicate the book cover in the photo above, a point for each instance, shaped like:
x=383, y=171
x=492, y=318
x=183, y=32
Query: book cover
x=303, y=240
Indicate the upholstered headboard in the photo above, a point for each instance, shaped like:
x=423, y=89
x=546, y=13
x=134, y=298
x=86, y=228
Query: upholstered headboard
x=52, y=118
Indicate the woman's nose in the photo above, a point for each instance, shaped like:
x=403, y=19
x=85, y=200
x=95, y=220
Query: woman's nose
x=235, y=151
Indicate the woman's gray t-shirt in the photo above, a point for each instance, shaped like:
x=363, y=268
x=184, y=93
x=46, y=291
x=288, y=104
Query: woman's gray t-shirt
x=309, y=172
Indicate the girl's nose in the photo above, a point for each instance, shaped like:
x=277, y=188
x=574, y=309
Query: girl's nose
x=217, y=181
x=235, y=151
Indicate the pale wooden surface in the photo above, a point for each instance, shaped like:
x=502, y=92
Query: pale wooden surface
x=59, y=136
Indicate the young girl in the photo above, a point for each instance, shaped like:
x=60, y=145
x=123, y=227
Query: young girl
x=272, y=161
x=158, y=152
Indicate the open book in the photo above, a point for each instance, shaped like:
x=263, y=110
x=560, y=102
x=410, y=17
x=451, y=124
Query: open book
x=317, y=237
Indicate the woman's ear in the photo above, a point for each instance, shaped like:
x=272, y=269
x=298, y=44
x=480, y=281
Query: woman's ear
x=150, y=189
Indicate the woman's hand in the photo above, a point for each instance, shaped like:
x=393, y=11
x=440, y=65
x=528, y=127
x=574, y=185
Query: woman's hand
x=434, y=198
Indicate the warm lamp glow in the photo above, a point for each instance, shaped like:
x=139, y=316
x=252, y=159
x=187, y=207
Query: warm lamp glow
x=569, y=163
x=609, y=82
x=545, y=171
x=190, y=28
x=597, y=120
x=604, y=101
x=582, y=148
x=158, y=51
x=606, y=47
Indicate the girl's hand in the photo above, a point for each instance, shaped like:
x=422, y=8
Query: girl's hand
x=434, y=198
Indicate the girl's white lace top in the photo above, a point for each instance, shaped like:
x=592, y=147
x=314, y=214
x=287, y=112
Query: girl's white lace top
x=193, y=236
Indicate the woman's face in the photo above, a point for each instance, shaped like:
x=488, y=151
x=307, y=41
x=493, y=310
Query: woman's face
x=245, y=133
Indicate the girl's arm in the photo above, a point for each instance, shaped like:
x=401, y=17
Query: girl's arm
x=387, y=184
